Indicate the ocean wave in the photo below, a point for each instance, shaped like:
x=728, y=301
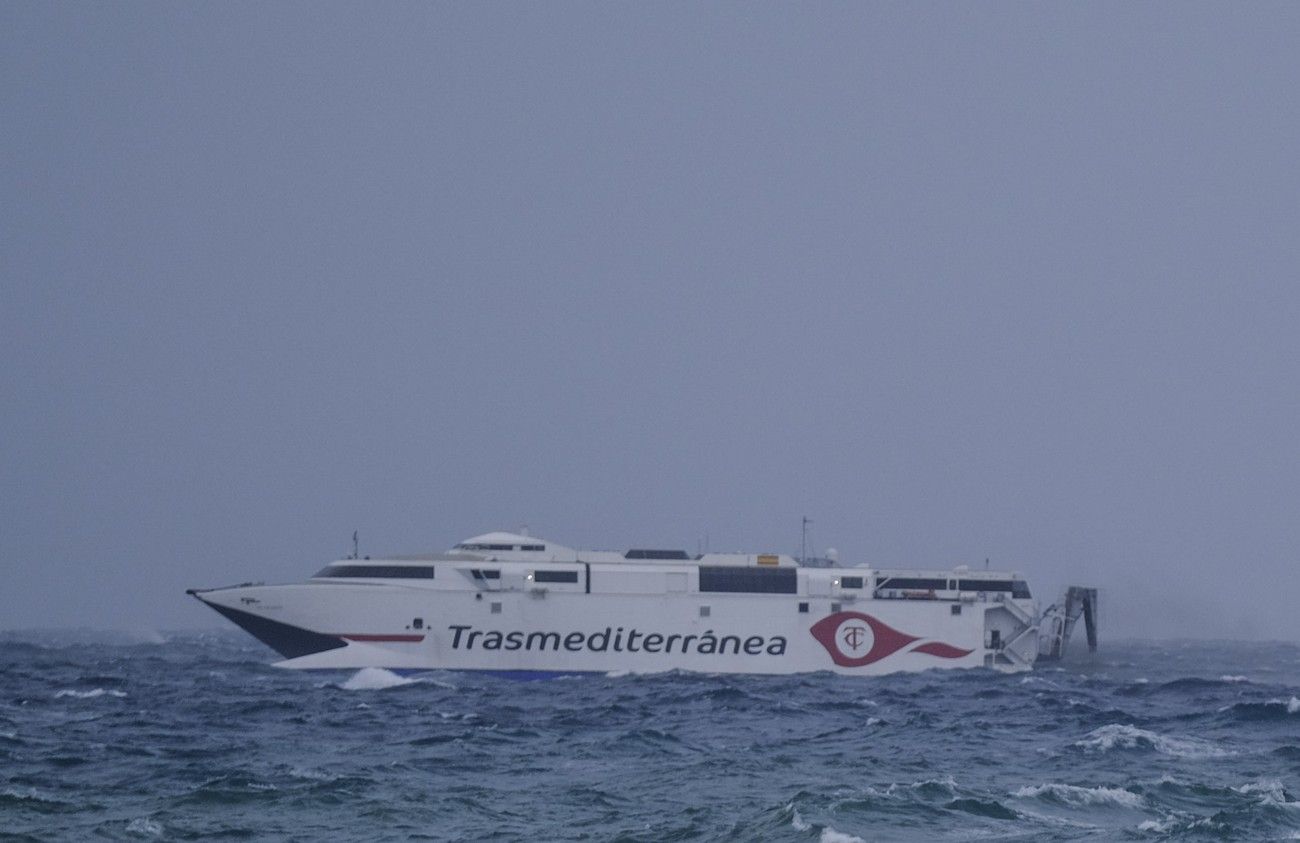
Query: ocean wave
x=1117, y=736
x=1267, y=792
x=89, y=695
x=983, y=808
x=375, y=679
x=144, y=827
x=31, y=800
x=1273, y=709
x=1074, y=795
x=828, y=833
x=941, y=788
x=1160, y=826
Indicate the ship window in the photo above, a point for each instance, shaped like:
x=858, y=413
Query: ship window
x=485, y=573
x=392, y=572
x=803, y=608
x=736, y=579
x=956, y=608
x=418, y=623
x=496, y=608
x=835, y=607
x=1018, y=588
x=705, y=611
x=555, y=576
x=532, y=547
x=850, y=582
x=911, y=583
x=656, y=554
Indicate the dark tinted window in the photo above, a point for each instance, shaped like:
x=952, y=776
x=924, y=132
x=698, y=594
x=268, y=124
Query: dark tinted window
x=532, y=547
x=555, y=576
x=395, y=572
x=850, y=582
x=748, y=580
x=1020, y=589
x=656, y=554
x=485, y=574
x=986, y=585
x=911, y=583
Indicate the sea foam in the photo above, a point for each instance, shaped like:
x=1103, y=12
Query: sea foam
x=375, y=679
x=1117, y=736
x=89, y=695
x=1069, y=794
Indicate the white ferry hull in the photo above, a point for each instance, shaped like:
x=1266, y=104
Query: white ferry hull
x=324, y=625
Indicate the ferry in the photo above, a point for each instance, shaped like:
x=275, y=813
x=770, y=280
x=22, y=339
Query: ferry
x=518, y=605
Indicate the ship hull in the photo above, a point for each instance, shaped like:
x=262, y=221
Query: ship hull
x=335, y=625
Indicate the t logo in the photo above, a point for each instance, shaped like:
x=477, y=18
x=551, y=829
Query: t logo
x=854, y=636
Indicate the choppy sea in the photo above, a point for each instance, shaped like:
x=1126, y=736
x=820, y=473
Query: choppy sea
x=190, y=736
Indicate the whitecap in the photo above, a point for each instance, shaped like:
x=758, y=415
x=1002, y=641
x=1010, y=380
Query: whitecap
x=1116, y=736
x=796, y=821
x=310, y=774
x=947, y=783
x=1158, y=826
x=1230, y=678
x=89, y=695
x=1269, y=791
x=1075, y=795
x=831, y=835
x=144, y=826
x=375, y=679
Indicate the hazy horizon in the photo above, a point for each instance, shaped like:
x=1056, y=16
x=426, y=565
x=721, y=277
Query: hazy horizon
x=955, y=281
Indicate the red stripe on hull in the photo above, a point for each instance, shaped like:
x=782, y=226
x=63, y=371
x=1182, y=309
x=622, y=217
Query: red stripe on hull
x=403, y=638
x=943, y=651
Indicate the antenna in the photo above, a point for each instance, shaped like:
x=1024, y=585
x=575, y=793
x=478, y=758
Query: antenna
x=803, y=540
x=354, y=544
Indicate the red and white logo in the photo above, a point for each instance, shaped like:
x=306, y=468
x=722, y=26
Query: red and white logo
x=854, y=639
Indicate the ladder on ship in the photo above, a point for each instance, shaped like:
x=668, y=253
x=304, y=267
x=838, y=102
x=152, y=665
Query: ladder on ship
x=1010, y=651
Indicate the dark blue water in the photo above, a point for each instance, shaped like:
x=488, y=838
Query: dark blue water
x=194, y=736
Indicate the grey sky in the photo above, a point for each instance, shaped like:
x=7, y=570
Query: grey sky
x=955, y=280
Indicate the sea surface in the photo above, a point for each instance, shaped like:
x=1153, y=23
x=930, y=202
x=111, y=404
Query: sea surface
x=195, y=736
